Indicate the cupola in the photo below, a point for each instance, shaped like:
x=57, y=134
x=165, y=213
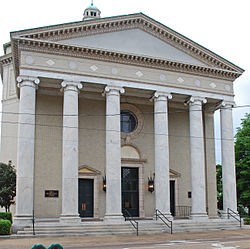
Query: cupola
x=91, y=12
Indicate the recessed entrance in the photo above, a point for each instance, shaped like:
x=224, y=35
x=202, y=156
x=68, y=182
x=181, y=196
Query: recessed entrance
x=172, y=197
x=130, y=190
x=86, y=197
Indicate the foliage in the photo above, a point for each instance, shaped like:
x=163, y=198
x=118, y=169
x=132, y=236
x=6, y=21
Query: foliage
x=7, y=185
x=55, y=246
x=6, y=216
x=5, y=227
x=242, y=158
x=219, y=187
x=247, y=221
x=38, y=246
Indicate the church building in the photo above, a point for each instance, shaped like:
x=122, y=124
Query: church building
x=111, y=115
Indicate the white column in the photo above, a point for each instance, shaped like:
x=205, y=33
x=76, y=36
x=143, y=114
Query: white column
x=70, y=153
x=113, y=155
x=228, y=158
x=25, y=150
x=197, y=158
x=210, y=163
x=162, y=192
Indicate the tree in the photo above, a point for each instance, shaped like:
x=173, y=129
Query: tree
x=7, y=185
x=242, y=159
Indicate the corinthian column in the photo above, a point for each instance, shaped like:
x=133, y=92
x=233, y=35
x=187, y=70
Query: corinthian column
x=228, y=157
x=70, y=153
x=25, y=150
x=197, y=158
x=113, y=154
x=162, y=192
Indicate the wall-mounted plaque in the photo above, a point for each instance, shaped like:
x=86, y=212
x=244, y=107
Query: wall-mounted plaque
x=52, y=193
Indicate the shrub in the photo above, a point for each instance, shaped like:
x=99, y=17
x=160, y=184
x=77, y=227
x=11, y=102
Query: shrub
x=38, y=246
x=247, y=221
x=6, y=216
x=5, y=227
x=55, y=246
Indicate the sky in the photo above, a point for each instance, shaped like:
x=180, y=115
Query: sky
x=219, y=25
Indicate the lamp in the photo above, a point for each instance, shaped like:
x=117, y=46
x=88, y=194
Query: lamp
x=104, y=186
x=151, y=183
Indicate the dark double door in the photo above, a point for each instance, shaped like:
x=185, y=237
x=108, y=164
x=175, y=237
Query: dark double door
x=130, y=190
x=86, y=198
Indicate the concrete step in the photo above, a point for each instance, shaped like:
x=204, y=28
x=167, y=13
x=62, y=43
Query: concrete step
x=144, y=227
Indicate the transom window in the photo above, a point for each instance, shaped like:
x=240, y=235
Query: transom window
x=128, y=121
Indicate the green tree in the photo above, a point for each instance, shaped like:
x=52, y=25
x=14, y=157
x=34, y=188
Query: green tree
x=242, y=158
x=7, y=185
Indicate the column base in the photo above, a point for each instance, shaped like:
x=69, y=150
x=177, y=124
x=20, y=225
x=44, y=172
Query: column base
x=199, y=217
x=114, y=218
x=21, y=221
x=70, y=219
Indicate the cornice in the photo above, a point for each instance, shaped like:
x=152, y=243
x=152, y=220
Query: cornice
x=139, y=20
x=52, y=47
x=6, y=59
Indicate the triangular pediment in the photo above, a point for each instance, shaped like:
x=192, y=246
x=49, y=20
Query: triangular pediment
x=136, y=42
x=134, y=37
x=84, y=169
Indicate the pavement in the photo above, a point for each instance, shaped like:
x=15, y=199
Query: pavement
x=201, y=240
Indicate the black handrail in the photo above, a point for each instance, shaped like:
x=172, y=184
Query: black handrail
x=130, y=218
x=234, y=215
x=33, y=222
x=166, y=221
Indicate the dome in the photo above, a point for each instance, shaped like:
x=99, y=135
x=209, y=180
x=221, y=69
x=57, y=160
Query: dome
x=91, y=12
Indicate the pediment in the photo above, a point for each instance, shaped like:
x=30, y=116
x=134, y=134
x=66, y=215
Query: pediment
x=174, y=174
x=134, y=38
x=136, y=42
x=84, y=169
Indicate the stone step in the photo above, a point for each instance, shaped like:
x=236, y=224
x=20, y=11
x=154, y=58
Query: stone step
x=145, y=227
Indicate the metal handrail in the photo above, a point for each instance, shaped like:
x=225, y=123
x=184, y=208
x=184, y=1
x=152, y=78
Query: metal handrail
x=233, y=214
x=166, y=221
x=33, y=222
x=130, y=218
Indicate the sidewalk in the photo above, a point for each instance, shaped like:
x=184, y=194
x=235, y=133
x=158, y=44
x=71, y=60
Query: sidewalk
x=143, y=241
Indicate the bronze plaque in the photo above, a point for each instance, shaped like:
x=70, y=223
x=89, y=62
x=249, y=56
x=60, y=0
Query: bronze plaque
x=52, y=193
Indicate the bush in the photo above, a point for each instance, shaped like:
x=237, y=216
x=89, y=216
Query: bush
x=6, y=216
x=38, y=246
x=5, y=227
x=55, y=246
x=247, y=221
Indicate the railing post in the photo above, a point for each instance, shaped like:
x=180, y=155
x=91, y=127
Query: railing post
x=33, y=222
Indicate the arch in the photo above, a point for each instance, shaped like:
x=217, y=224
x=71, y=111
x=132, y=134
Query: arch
x=130, y=152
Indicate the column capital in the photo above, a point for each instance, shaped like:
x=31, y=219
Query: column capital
x=23, y=80
x=226, y=104
x=115, y=90
x=195, y=100
x=161, y=96
x=71, y=86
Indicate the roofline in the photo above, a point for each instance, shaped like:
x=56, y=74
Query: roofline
x=177, y=36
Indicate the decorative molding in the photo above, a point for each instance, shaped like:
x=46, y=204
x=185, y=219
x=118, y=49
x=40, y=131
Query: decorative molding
x=111, y=24
x=47, y=39
x=118, y=57
x=140, y=122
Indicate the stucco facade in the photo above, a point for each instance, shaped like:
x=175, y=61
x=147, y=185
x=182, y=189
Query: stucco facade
x=64, y=88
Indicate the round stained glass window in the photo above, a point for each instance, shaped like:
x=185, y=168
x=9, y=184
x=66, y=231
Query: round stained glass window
x=128, y=121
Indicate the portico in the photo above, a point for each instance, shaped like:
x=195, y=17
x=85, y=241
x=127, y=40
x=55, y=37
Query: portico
x=72, y=98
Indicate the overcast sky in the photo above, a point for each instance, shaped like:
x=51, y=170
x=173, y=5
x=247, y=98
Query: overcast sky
x=219, y=25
